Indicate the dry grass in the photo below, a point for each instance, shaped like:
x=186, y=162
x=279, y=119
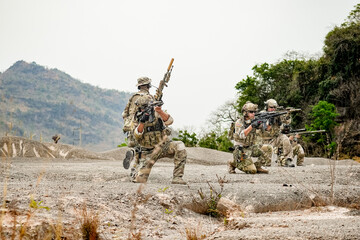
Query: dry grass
x=207, y=204
x=139, y=199
x=89, y=224
x=193, y=234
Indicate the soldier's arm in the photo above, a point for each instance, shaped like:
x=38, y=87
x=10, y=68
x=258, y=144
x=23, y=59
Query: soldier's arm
x=240, y=133
x=168, y=120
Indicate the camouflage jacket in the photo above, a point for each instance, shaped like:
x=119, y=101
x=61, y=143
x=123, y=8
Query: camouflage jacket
x=239, y=136
x=153, y=133
x=131, y=109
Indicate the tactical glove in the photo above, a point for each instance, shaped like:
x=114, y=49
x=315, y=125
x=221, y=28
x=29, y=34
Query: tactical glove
x=256, y=123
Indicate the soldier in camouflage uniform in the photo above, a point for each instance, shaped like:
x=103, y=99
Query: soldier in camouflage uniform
x=298, y=150
x=273, y=135
x=247, y=144
x=155, y=143
x=143, y=85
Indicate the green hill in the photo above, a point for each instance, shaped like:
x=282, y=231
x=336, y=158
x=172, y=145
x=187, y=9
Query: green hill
x=37, y=102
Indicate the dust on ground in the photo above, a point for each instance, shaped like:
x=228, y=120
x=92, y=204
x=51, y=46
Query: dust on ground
x=289, y=203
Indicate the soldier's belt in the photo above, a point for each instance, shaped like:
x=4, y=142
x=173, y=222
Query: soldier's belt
x=146, y=150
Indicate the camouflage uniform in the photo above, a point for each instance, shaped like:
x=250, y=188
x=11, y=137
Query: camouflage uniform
x=277, y=139
x=298, y=151
x=155, y=144
x=247, y=147
x=131, y=108
x=128, y=116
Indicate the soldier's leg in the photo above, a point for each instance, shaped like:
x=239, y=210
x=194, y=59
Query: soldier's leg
x=266, y=155
x=179, y=161
x=232, y=162
x=130, y=153
x=135, y=168
x=244, y=162
x=298, y=149
x=259, y=152
x=286, y=147
x=176, y=150
x=285, y=155
x=144, y=168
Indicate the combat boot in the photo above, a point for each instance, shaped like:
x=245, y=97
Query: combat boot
x=288, y=163
x=129, y=156
x=261, y=170
x=178, y=180
x=231, y=168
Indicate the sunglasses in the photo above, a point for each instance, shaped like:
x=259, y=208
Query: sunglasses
x=251, y=111
x=272, y=107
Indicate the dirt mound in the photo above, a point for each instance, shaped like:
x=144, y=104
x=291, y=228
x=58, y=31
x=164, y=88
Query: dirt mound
x=21, y=147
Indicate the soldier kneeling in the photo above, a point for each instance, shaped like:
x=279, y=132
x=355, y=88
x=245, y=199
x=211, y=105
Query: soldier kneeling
x=246, y=144
x=151, y=133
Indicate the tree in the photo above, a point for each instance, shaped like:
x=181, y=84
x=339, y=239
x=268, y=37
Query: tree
x=189, y=139
x=323, y=118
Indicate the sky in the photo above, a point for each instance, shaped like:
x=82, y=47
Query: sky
x=215, y=43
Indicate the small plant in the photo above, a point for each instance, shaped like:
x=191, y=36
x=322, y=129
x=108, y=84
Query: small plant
x=122, y=145
x=208, y=204
x=168, y=211
x=37, y=205
x=226, y=221
x=163, y=189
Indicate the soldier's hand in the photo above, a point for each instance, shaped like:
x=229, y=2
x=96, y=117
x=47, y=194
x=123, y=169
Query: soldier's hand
x=158, y=109
x=143, y=118
x=256, y=123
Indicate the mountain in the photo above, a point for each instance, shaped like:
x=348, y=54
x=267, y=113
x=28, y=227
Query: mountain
x=37, y=102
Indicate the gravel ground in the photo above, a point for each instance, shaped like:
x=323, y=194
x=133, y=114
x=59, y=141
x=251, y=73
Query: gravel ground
x=288, y=203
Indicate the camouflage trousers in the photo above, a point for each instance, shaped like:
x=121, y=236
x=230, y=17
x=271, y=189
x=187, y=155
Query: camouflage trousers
x=242, y=158
x=298, y=151
x=171, y=149
x=284, y=148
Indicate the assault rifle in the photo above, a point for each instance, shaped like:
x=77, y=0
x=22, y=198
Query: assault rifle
x=289, y=109
x=149, y=110
x=164, y=81
x=303, y=131
x=262, y=117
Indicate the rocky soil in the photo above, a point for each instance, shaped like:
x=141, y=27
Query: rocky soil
x=52, y=195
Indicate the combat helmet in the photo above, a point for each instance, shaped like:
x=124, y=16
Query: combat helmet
x=271, y=103
x=249, y=106
x=143, y=81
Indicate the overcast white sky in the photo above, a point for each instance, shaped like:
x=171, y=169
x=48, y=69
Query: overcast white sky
x=215, y=43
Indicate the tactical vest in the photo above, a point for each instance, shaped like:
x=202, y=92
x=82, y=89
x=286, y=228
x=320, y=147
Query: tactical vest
x=153, y=134
x=250, y=138
x=131, y=109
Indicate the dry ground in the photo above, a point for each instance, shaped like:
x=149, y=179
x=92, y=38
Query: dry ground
x=289, y=203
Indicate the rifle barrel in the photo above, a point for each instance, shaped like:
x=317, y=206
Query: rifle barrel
x=171, y=63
